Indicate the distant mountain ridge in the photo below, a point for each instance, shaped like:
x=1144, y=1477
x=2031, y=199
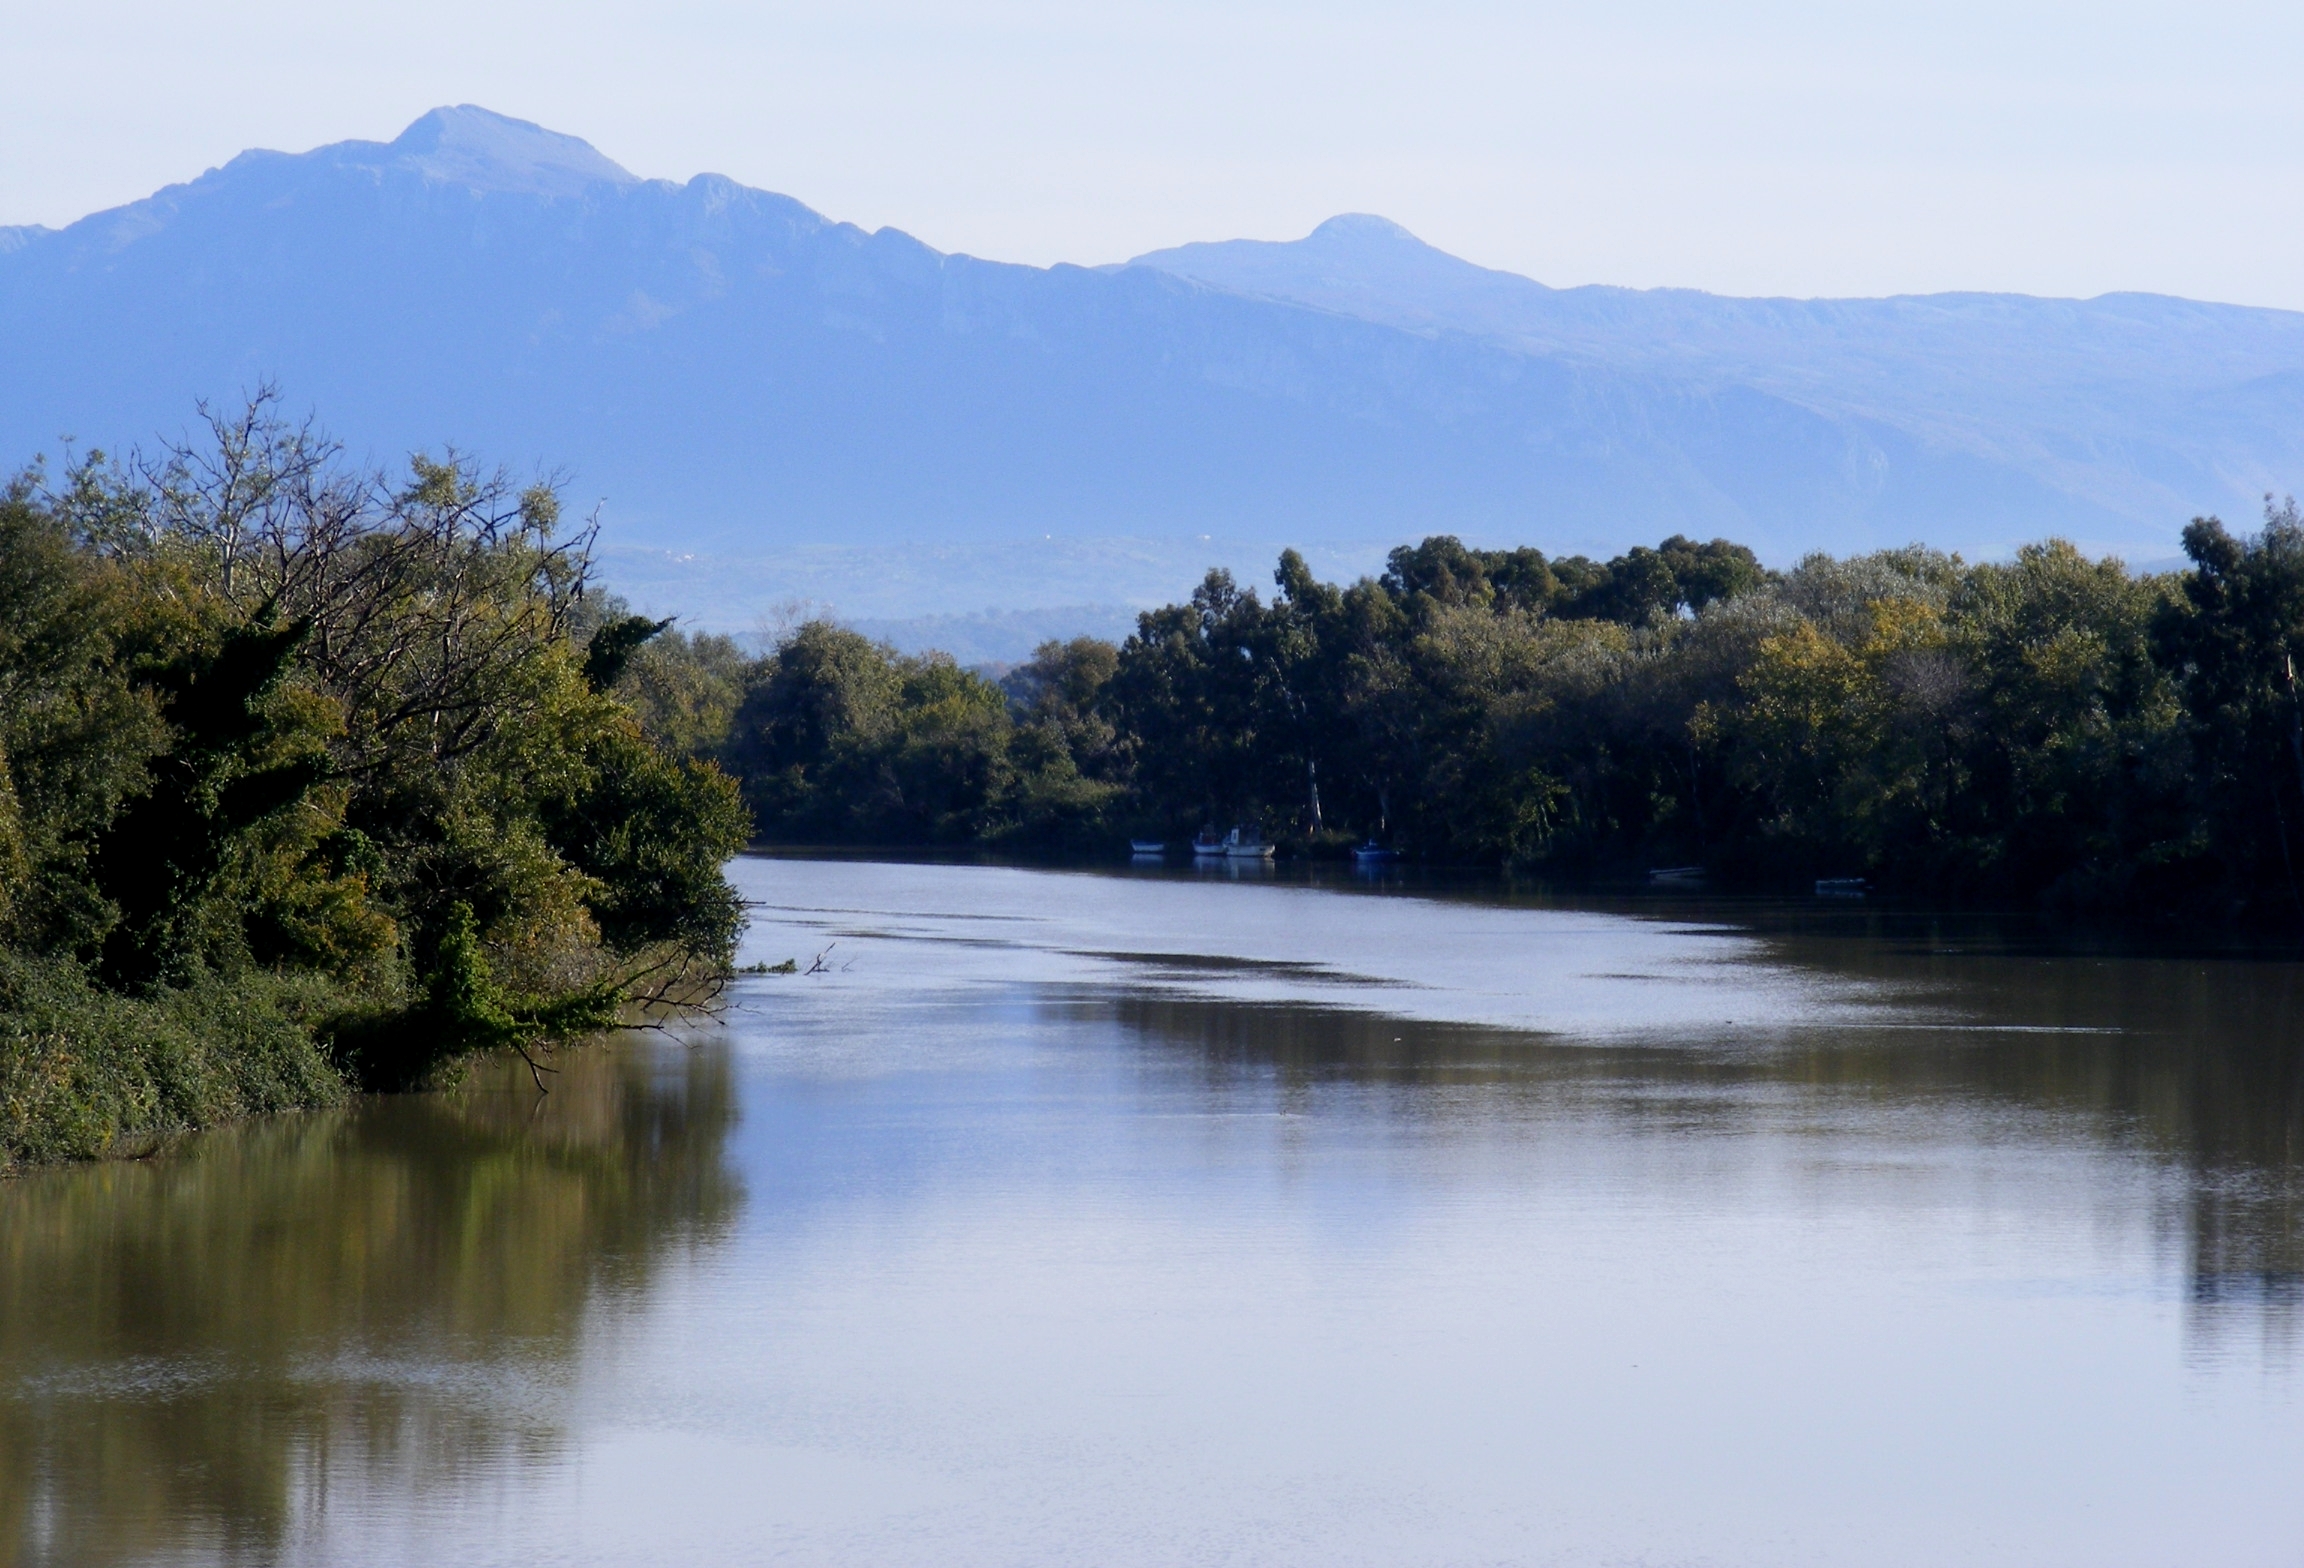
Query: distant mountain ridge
x=2140, y=403
x=742, y=377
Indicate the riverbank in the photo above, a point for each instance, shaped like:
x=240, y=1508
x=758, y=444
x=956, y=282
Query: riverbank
x=87, y=1074
x=2051, y=732
x=326, y=799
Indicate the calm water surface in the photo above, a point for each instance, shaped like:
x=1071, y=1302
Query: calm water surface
x=1114, y=1219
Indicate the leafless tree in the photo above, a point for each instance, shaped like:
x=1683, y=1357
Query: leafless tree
x=422, y=596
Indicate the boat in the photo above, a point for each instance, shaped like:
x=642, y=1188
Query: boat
x=1373, y=854
x=1840, y=887
x=1238, y=848
x=1147, y=846
x=1676, y=876
x=1207, y=846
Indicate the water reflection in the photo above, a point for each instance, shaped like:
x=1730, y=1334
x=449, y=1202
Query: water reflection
x=1087, y=1215
x=198, y=1348
x=2198, y=1065
x=2199, y=1059
x=1234, y=868
x=1705, y=1014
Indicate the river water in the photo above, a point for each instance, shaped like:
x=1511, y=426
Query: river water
x=1113, y=1218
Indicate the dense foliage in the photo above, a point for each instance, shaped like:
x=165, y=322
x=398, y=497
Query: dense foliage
x=2046, y=729
x=321, y=766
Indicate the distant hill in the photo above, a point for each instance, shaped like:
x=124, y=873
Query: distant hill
x=748, y=382
x=2145, y=406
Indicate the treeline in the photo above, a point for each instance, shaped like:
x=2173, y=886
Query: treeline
x=2051, y=729
x=314, y=778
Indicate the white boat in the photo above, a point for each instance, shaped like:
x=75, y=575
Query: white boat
x=1239, y=848
x=1207, y=846
x=1147, y=846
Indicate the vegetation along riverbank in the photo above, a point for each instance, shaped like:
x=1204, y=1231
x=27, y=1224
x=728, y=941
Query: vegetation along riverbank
x=2049, y=730
x=313, y=780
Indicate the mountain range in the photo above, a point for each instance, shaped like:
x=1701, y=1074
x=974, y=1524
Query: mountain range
x=778, y=405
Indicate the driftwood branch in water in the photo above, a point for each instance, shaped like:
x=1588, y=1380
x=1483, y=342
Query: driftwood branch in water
x=536, y=1069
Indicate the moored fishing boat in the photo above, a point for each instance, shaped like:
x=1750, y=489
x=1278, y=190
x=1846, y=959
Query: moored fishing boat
x=1239, y=846
x=1373, y=854
x=1206, y=845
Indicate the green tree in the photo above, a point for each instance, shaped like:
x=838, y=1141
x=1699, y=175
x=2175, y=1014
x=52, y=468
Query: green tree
x=340, y=743
x=2231, y=641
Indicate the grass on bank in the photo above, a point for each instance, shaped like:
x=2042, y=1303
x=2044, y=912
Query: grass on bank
x=86, y=1073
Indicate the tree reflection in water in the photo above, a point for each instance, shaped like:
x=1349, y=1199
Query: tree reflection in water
x=202, y=1345
x=2196, y=1064
x=982, y=1160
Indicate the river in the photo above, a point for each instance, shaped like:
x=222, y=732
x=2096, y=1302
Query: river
x=1146, y=1217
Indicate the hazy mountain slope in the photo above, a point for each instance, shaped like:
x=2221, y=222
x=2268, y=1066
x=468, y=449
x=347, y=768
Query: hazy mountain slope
x=715, y=358
x=745, y=380
x=2142, y=404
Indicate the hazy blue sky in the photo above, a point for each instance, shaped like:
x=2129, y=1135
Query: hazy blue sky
x=1780, y=147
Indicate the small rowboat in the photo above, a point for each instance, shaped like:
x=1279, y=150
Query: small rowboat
x=1373, y=854
x=1147, y=846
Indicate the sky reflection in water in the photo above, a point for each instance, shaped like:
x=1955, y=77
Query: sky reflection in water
x=1156, y=1219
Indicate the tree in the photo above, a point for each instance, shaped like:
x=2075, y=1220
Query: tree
x=1185, y=688
x=270, y=714
x=2231, y=642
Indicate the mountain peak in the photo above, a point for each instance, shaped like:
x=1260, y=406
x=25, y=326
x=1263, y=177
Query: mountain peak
x=1364, y=227
x=1356, y=263
x=467, y=145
